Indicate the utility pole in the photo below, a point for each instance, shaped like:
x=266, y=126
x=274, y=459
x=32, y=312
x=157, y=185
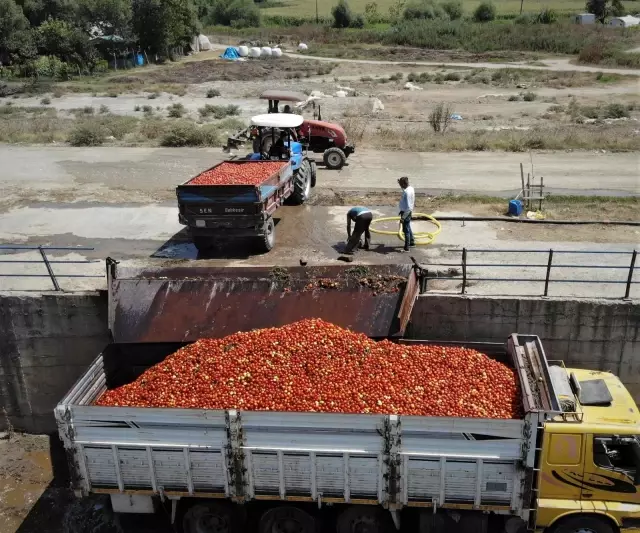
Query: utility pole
x=317, y=18
x=521, y=2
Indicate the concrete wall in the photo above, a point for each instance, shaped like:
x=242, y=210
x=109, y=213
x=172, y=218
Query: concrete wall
x=596, y=334
x=46, y=342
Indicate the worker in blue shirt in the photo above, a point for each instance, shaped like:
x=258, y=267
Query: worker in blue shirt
x=362, y=217
x=407, y=204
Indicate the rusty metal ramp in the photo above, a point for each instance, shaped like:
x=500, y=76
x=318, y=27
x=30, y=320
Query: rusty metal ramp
x=185, y=303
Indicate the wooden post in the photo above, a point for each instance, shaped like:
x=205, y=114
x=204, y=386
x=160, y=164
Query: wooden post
x=541, y=189
x=522, y=179
x=528, y=204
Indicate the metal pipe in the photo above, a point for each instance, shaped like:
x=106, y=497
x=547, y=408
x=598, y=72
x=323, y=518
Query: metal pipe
x=49, y=269
x=546, y=281
x=90, y=261
x=530, y=221
x=26, y=247
x=632, y=267
x=47, y=276
x=464, y=269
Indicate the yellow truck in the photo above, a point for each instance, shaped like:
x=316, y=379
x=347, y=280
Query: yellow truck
x=569, y=464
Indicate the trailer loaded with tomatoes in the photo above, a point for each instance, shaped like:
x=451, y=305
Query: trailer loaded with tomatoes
x=276, y=400
x=237, y=199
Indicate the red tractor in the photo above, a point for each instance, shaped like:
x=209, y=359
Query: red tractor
x=316, y=135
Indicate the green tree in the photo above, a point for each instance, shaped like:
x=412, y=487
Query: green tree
x=237, y=13
x=37, y=11
x=617, y=8
x=485, y=12
x=111, y=17
x=163, y=24
x=454, y=9
x=16, y=38
x=65, y=41
x=605, y=8
x=342, y=15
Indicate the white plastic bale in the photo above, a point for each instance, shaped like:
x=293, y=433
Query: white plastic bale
x=243, y=51
x=276, y=52
x=303, y=46
x=254, y=52
x=266, y=51
x=204, y=43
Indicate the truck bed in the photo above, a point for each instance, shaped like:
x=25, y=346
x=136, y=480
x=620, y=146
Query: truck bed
x=386, y=459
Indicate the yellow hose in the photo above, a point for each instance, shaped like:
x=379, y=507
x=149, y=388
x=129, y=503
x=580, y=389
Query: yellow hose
x=421, y=237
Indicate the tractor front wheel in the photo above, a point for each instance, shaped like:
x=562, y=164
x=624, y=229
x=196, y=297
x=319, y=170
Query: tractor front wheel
x=302, y=183
x=334, y=158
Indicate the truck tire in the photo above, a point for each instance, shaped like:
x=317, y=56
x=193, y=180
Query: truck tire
x=302, y=183
x=583, y=524
x=211, y=517
x=314, y=172
x=334, y=158
x=364, y=518
x=202, y=244
x=267, y=241
x=285, y=519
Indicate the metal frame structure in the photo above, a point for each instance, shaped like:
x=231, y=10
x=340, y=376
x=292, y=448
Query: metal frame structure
x=548, y=265
x=48, y=262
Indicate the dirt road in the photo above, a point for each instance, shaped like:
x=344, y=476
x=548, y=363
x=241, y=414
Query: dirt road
x=558, y=64
x=140, y=175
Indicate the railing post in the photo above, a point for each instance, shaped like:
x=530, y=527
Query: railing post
x=49, y=269
x=546, y=281
x=632, y=267
x=464, y=270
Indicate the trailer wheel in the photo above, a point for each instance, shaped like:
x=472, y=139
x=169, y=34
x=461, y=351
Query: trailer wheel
x=267, y=241
x=302, y=183
x=203, y=244
x=287, y=519
x=314, y=172
x=334, y=158
x=209, y=517
x=583, y=524
x=364, y=519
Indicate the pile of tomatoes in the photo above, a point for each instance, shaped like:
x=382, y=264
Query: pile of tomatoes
x=245, y=173
x=315, y=366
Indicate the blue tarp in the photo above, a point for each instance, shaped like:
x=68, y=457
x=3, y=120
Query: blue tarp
x=230, y=54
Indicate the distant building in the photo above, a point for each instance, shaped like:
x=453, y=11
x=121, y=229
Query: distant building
x=585, y=18
x=624, y=22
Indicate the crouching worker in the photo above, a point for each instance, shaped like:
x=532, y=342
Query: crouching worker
x=362, y=217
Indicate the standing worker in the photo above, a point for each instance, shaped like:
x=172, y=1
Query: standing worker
x=407, y=203
x=362, y=217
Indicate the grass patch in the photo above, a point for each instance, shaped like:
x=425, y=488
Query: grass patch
x=176, y=110
x=212, y=93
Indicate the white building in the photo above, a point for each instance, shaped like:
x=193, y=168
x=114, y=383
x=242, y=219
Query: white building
x=585, y=18
x=624, y=22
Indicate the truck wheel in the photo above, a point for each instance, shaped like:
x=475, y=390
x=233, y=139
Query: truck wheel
x=334, y=158
x=365, y=519
x=207, y=518
x=287, y=519
x=314, y=172
x=583, y=524
x=268, y=240
x=302, y=183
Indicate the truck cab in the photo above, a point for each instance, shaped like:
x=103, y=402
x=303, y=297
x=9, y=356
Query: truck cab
x=589, y=479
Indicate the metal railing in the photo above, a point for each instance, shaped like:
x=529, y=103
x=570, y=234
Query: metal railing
x=48, y=263
x=549, y=266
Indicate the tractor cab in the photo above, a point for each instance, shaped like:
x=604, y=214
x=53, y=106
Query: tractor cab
x=279, y=134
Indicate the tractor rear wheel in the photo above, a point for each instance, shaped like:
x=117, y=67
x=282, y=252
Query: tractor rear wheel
x=334, y=158
x=302, y=183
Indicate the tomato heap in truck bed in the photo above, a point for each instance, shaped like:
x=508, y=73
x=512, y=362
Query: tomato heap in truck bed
x=244, y=173
x=315, y=366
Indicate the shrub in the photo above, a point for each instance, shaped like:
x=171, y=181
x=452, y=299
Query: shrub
x=423, y=9
x=485, y=12
x=184, y=133
x=454, y=9
x=45, y=101
x=452, y=76
x=104, y=109
x=112, y=94
x=514, y=98
x=136, y=108
x=87, y=134
x=590, y=111
x=153, y=96
x=529, y=97
x=147, y=109
x=358, y=21
x=212, y=93
x=236, y=13
x=176, y=110
x=342, y=15
x=440, y=118
x=398, y=76
x=616, y=111
x=546, y=16
x=524, y=18
x=117, y=125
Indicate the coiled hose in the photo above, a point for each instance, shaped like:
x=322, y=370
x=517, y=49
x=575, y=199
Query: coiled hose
x=422, y=238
